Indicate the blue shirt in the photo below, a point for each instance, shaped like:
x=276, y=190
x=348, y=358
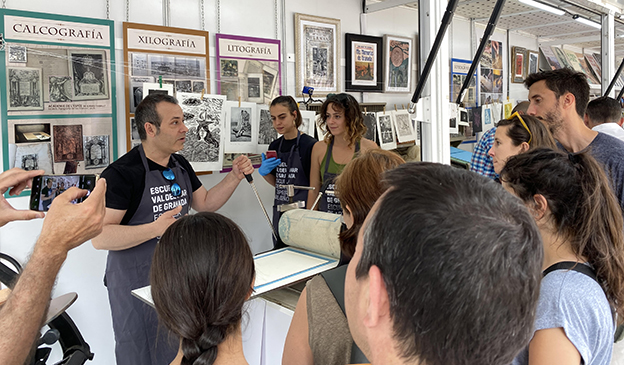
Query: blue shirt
x=575, y=302
x=481, y=162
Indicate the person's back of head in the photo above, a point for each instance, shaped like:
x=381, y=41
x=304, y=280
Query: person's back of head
x=358, y=186
x=460, y=259
x=562, y=81
x=584, y=211
x=202, y=273
x=603, y=110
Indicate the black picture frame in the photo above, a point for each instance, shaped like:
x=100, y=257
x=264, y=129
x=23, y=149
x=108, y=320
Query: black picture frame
x=361, y=79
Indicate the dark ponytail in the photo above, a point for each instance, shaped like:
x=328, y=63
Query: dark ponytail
x=584, y=209
x=202, y=273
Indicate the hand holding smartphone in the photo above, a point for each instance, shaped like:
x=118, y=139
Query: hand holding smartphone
x=271, y=153
x=47, y=187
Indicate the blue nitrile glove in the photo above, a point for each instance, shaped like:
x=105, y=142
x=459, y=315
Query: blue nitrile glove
x=268, y=165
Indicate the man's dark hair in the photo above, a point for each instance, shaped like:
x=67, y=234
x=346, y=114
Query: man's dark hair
x=461, y=260
x=561, y=81
x=604, y=110
x=146, y=112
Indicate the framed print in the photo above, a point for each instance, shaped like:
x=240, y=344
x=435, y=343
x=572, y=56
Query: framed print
x=253, y=88
x=156, y=88
x=317, y=54
x=532, y=65
x=88, y=70
x=517, y=65
x=241, y=127
x=403, y=126
x=364, y=63
x=397, y=64
x=25, y=88
x=67, y=143
x=385, y=129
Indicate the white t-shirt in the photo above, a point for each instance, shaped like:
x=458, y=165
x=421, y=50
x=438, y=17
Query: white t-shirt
x=612, y=129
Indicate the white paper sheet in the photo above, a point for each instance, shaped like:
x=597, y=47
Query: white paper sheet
x=241, y=127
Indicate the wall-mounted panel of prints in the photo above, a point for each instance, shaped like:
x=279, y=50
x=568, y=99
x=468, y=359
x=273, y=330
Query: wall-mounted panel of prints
x=250, y=69
x=162, y=59
x=57, y=76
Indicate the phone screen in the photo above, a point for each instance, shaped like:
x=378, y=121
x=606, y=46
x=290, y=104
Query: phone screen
x=46, y=188
x=271, y=153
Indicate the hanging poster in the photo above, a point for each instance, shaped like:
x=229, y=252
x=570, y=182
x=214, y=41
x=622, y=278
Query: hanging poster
x=459, y=70
x=491, y=73
x=57, y=86
x=317, y=54
x=177, y=58
x=205, y=119
x=397, y=64
x=253, y=65
x=363, y=63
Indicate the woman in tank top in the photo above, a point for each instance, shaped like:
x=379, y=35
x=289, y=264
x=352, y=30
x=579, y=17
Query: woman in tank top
x=342, y=118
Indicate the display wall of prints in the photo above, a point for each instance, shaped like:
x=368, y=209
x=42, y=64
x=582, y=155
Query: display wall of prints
x=57, y=85
x=249, y=69
x=167, y=60
x=491, y=73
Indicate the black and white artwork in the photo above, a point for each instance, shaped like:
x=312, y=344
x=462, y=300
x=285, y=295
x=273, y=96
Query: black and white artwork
x=403, y=126
x=241, y=126
x=34, y=157
x=307, y=122
x=155, y=88
x=183, y=86
x=205, y=119
x=60, y=89
x=385, y=128
x=25, y=88
x=269, y=80
x=96, y=151
x=229, y=68
x=266, y=132
x=161, y=65
x=319, y=62
x=139, y=64
x=136, y=90
x=199, y=86
x=134, y=136
x=17, y=54
x=190, y=67
x=89, y=72
x=453, y=118
x=254, y=88
x=370, y=121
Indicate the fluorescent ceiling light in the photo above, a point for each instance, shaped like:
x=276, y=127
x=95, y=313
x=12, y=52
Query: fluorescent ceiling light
x=586, y=21
x=548, y=8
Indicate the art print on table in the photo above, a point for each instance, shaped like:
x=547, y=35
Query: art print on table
x=68, y=144
x=60, y=89
x=17, y=54
x=385, y=129
x=25, y=88
x=317, y=49
x=241, y=126
x=364, y=63
x=204, y=117
x=88, y=69
x=266, y=132
x=403, y=126
x=397, y=64
x=36, y=156
x=96, y=151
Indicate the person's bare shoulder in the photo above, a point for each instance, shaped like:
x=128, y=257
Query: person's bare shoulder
x=367, y=144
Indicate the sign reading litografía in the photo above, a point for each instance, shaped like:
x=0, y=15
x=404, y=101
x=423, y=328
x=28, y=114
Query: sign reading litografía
x=55, y=31
x=248, y=49
x=151, y=40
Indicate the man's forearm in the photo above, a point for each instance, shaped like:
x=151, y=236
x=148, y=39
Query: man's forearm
x=116, y=237
x=21, y=317
x=219, y=194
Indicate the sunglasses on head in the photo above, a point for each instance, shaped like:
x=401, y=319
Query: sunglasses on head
x=516, y=114
x=175, y=187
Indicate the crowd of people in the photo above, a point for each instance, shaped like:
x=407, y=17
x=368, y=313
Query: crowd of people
x=532, y=273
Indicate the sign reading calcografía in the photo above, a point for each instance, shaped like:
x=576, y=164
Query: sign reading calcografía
x=248, y=49
x=151, y=40
x=54, y=31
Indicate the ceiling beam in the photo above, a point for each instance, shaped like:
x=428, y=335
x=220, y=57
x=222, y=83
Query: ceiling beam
x=386, y=5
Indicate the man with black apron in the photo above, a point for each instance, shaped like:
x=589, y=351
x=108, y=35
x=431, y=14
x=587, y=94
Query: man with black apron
x=148, y=188
x=290, y=171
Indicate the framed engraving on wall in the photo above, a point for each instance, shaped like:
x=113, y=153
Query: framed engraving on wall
x=317, y=54
x=397, y=64
x=89, y=74
x=25, y=88
x=364, y=63
x=518, y=61
x=532, y=65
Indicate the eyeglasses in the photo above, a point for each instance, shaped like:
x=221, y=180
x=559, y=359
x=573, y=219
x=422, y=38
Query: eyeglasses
x=176, y=190
x=516, y=114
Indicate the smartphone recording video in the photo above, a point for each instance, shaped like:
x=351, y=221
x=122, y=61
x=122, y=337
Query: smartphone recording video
x=46, y=188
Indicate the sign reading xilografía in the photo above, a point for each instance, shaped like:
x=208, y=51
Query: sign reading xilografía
x=151, y=40
x=55, y=31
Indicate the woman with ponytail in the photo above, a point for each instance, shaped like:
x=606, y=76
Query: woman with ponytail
x=580, y=221
x=202, y=274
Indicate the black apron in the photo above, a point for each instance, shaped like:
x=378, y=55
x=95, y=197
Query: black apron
x=138, y=338
x=331, y=203
x=290, y=171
